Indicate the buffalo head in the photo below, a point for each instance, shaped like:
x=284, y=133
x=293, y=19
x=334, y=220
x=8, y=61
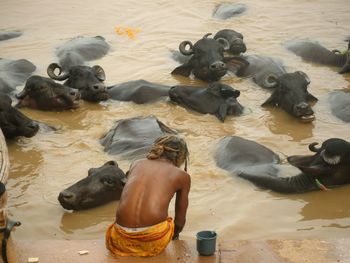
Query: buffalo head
x=292, y=96
x=207, y=60
x=88, y=80
x=235, y=40
x=331, y=162
x=218, y=99
x=45, y=94
x=13, y=123
x=102, y=185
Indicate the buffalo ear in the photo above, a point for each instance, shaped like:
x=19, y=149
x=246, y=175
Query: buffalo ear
x=99, y=72
x=183, y=70
x=236, y=64
x=111, y=163
x=310, y=97
x=222, y=112
x=271, y=101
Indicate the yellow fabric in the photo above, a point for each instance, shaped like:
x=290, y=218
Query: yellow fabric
x=149, y=242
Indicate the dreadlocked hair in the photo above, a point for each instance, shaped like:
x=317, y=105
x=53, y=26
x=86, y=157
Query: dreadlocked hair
x=170, y=147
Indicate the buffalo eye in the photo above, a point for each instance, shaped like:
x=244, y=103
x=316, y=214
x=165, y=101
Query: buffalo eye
x=109, y=182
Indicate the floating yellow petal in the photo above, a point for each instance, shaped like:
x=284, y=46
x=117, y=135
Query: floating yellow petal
x=130, y=32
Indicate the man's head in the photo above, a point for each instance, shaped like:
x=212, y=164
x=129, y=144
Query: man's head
x=171, y=147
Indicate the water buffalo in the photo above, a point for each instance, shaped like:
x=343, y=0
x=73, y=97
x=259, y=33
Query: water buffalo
x=328, y=167
x=45, y=94
x=226, y=10
x=340, y=105
x=263, y=70
x=218, y=99
x=102, y=185
x=207, y=61
x=13, y=123
x=72, y=58
x=315, y=52
x=4, y=35
x=235, y=40
x=292, y=96
x=14, y=73
x=138, y=91
x=132, y=138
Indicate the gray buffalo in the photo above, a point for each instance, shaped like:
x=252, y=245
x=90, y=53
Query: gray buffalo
x=4, y=35
x=235, y=40
x=14, y=73
x=102, y=185
x=340, y=105
x=292, y=96
x=207, y=61
x=218, y=99
x=71, y=67
x=327, y=168
x=132, y=138
x=13, y=123
x=315, y=52
x=226, y=10
x=263, y=70
x=138, y=91
x=45, y=94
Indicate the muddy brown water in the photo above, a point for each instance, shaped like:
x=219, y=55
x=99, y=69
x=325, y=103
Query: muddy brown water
x=44, y=165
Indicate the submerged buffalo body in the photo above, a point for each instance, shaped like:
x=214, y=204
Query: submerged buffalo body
x=5, y=35
x=14, y=73
x=218, y=99
x=328, y=167
x=132, y=138
x=235, y=40
x=315, y=52
x=138, y=91
x=13, y=123
x=292, y=96
x=263, y=70
x=207, y=61
x=45, y=94
x=340, y=105
x=102, y=185
x=227, y=10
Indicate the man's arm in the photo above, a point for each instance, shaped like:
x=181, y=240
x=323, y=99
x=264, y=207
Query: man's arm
x=181, y=204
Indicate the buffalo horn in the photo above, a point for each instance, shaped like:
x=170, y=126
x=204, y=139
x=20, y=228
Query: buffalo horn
x=183, y=50
x=313, y=148
x=51, y=72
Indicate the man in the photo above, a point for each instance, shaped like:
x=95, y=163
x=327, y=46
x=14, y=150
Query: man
x=142, y=226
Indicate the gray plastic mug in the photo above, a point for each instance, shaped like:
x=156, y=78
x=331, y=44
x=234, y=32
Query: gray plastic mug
x=206, y=243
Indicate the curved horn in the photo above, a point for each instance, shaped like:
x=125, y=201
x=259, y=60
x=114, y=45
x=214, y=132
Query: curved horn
x=224, y=42
x=270, y=81
x=183, y=50
x=305, y=76
x=206, y=35
x=51, y=72
x=22, y=94
x=313, y=148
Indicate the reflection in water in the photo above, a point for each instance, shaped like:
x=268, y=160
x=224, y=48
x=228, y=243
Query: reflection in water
x=44, y=165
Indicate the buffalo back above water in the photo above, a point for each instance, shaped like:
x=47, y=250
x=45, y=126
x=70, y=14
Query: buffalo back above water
x=132, y=138
x=102, y=185
x=218, y=99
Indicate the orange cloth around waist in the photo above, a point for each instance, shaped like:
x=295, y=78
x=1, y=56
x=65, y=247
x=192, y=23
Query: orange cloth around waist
x=146, y=243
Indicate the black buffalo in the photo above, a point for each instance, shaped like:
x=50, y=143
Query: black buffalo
x=4, y=35
x=218, y=99
x=292, y=96
x=13, y=123
x=132, y=138
x=45, y=94
x=207, y=61
x=14, y=73
x=72, y=57
x=138, y=91
x=235, y=40
x=228, y=10
x=102, y=185
x=315, y=52
x=327, y=168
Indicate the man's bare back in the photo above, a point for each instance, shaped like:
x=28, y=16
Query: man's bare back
x=149, y=189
